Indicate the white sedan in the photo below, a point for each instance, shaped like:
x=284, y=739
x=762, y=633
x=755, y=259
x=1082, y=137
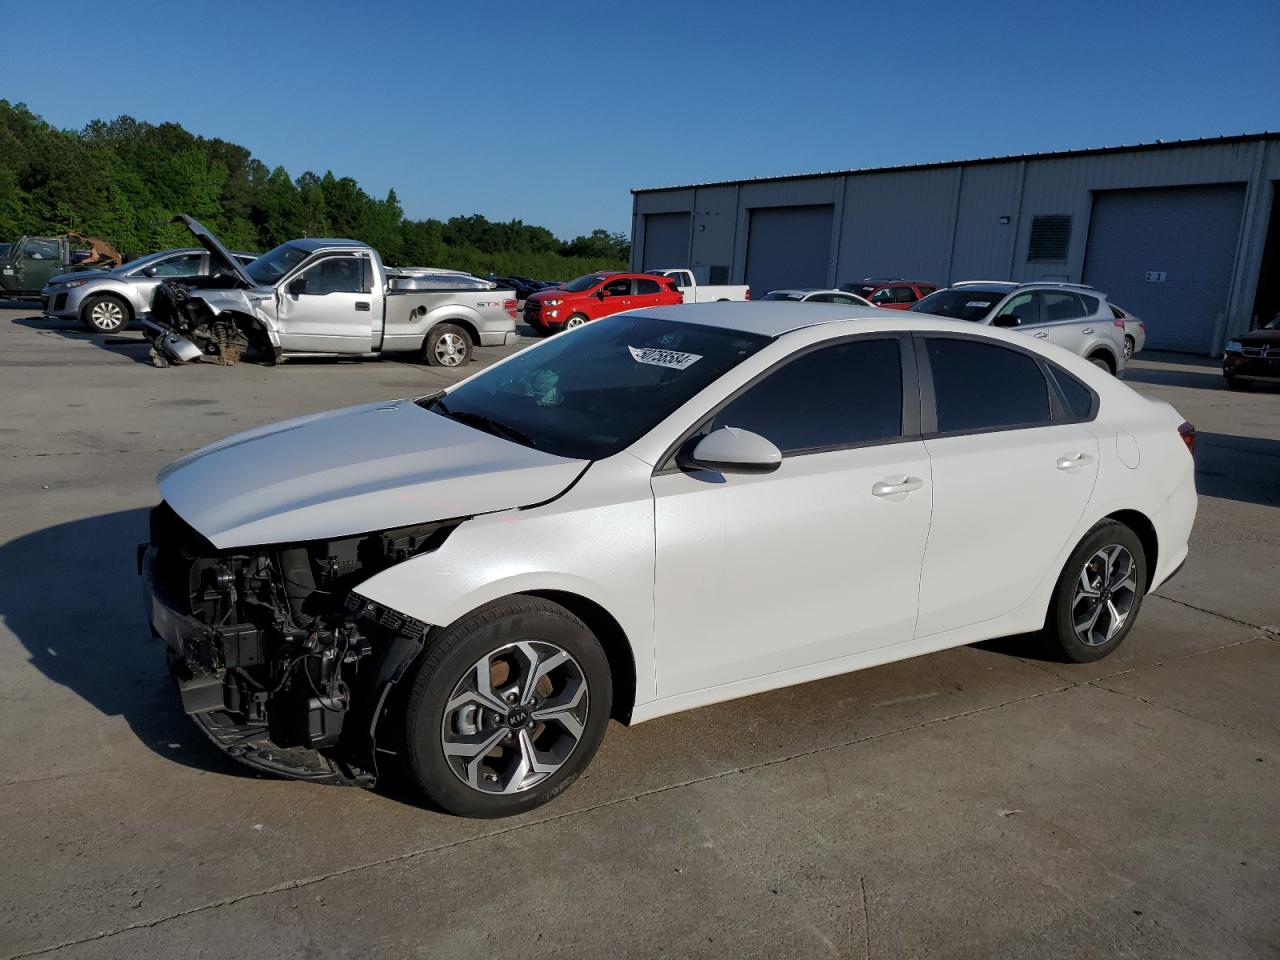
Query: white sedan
x=672, y=508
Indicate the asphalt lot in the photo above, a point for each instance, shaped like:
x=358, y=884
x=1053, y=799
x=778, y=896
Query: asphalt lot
x=975, y=803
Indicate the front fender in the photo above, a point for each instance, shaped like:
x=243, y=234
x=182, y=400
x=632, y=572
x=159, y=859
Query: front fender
x=601, y=551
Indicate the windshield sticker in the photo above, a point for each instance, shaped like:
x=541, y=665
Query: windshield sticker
x=978, y=303
x=671, y=359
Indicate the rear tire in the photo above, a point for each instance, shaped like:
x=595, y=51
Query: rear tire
x=1103, y=361
x=105, y=314
x=480, y=736
x=1098, y=595
x=1128, y=347
x=447, y=345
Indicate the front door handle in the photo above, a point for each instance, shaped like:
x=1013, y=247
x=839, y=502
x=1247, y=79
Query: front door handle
x=362, y=305
x=895, y=485
x=1041, y=335
x=1087, y=330
x=1072, y=461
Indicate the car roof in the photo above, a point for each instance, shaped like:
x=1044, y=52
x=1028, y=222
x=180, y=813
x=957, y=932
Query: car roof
x=773, y=318
x=311, y=244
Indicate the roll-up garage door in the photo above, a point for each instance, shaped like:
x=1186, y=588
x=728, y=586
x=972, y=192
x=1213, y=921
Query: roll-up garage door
x=666, y=240
x=788, y=247
x=1166, y=256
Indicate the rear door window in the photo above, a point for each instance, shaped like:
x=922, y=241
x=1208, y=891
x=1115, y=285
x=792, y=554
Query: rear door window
x=984, y=386
x=840, y=395
x=902, y=294
x=1059, y=306
x=646, y=287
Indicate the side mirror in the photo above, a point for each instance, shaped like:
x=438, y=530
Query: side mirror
x=734, y=450
x=602, y=293
x=149, y=272
x=1005, y=320
x=298, y=286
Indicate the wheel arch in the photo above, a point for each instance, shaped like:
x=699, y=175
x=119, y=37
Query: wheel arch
x=130, y=312
x=466, y=323
x=1106, y=353
x=1145, y=531
x=617, y=648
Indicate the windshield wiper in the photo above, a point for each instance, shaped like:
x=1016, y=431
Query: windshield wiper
x=487, y=424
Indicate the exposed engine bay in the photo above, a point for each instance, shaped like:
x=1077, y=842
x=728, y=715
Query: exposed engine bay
x=277, y=659
x=223, y=337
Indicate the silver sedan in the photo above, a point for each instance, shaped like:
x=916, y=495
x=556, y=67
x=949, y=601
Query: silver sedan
x=107, y=302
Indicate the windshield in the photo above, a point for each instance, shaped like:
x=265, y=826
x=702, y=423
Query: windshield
x=584, y=283
x=784, y=295
x=274, y=264
x=596, y=391
x=960, y=304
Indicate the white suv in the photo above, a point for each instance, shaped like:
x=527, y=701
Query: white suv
x=1069, y=315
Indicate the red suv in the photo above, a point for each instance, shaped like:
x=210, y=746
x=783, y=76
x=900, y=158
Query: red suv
x=890, y=293
x=594, y=296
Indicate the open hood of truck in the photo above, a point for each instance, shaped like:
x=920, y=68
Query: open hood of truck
x=219, y=256
x=355, y=470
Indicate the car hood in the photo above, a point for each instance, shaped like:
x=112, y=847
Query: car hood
x=350, y=471
x=85, y=275
x=219, y=256
x=557, y=294
x=1258, y=338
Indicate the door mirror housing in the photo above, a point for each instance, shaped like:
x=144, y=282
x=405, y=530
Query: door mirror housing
x=1005, y=320
x=298, y=286
x=149, y=272
x=602, y=293
x=734, y=450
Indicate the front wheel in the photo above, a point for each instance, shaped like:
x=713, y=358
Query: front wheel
x=1098, y=595
x=577, y=320
x=105, y=314
x=507, y=708
x=447, y=345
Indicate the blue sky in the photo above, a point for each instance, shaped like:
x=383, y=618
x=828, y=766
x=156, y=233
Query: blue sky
x=551, y=112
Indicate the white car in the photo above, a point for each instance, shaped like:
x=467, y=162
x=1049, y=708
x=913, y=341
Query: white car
x=817, y=295
x=671, y=508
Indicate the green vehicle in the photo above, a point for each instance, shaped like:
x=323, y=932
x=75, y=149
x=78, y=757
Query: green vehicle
x=29, y=262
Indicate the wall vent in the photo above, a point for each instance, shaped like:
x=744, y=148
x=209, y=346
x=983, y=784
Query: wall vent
x=1050, y=238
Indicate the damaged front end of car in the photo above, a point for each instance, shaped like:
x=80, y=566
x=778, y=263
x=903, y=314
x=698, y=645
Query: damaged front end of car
x=188, y=322
x=278, y=659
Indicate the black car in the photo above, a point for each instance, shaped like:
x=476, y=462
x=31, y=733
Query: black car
x=1253, y=357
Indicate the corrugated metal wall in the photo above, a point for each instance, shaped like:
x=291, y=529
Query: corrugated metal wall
x=944, y=223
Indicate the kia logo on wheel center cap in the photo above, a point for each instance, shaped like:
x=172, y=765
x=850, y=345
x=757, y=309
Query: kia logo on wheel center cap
x=518, y=717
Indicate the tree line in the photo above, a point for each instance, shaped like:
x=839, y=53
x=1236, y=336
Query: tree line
x=123, y=180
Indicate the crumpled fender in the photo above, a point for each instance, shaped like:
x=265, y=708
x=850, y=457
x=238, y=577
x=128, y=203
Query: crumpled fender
x=242, y=302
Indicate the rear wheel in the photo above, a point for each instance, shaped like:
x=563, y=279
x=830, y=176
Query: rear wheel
x=1098, y=594
x=105, y=314
x=1128, y=347
x=447, y=345
x=1103, y=361
x=507, y=708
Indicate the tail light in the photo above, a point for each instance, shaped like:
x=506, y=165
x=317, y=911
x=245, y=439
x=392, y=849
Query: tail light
x=1142, y=325
x=1118, y=322
x=512, y=307
x=1188, y=434
x=748, y=296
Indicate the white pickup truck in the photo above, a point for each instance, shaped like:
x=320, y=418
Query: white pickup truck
x=324, y=297
x=695, y=292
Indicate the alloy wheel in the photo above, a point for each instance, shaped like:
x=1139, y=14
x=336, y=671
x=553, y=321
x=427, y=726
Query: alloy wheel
x=450, y=349
x=1106, y=591
x=107, y=315
x=515, y=717
x=1128, y=348
x=574, y=322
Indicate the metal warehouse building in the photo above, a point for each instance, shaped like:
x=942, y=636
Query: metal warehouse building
x=1185, y=234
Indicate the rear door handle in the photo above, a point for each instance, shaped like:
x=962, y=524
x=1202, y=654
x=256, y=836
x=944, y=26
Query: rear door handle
x=896, y=485
x=362, y=305
x=1072, y=461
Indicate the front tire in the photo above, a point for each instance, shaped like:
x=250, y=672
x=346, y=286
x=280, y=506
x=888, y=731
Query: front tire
x=507, y=708
x=575, y=321
x=447, y=345
x=105, y=314
x=1098, y=595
